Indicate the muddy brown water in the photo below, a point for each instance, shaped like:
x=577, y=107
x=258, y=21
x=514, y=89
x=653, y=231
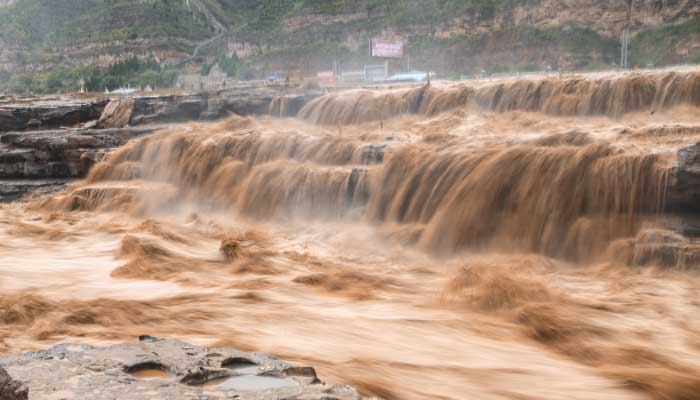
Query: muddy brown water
x=448, y=255
x=151, y=374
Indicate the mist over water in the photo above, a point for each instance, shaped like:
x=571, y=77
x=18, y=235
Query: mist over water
x=508, y=240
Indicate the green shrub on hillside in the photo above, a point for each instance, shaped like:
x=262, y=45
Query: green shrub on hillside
x=41, y=23
x=694, y=57
x=131, y=72
x=657, y=45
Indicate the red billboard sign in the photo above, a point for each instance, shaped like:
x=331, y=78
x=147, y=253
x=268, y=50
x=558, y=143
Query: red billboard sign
x=386, y=48
x=326, y=76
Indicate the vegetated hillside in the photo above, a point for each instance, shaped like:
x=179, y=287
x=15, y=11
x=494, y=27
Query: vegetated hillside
x=448, y=36
x=44, y=32
x=462, y=36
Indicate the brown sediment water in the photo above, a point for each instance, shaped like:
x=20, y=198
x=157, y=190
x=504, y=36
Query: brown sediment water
x=611, y=95
x=151, y=374
x=506, y=240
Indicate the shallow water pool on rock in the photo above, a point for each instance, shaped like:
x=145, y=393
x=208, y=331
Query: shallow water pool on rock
x=150, y=374
x=252, y=383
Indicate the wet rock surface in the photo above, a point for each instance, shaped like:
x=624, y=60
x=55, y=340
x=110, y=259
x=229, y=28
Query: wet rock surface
x=117, y=114
x=61, y=138
x=290, y=105
x=59, y=153
x=174, y=108
x=208, y=106
x=164, y=369
x=11, y=389
x=684, y=181
x=55, y=113
x=14, y=189
x=49, y=115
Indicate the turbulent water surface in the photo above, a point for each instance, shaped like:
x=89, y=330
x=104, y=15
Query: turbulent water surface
x=484, y=242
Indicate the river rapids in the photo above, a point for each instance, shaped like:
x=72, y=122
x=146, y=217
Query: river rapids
x=507, y=240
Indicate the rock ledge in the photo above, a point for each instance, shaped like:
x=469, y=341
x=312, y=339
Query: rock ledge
x=164, y=369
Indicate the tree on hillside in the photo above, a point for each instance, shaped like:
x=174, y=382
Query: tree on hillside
x=266, y=19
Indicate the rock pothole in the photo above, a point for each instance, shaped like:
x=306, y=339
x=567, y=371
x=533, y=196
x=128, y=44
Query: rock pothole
x=148, y=370
x=242, y=365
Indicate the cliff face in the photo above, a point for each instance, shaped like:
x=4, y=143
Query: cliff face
x=560, y=33
x=575, y=34
x=38, y=35
x=607, y=18
x=444, y=35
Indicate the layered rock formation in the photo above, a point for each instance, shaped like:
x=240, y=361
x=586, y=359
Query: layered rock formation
x=14, y=189
x=117, y=114
x=59, y=153
x=51, y=114
x=60, y=139
x=684, y=188
x=35, y=114
x=162, y=369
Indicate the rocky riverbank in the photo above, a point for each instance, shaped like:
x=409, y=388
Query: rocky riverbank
x=159, y=369
x=42, y=161
x=48, y=113
x=61, y=138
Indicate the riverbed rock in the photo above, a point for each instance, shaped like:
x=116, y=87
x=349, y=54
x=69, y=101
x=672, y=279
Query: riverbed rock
x=59, y=153
x=166, y=369
x=43, y=113
x=51, y=114
x=117, y=113
x=289, y=105
x=664, y=248
x=11, y=389
x=684, y=181
x=15, y=189
x=77, y=139
x=167, y=109
x=212, y=105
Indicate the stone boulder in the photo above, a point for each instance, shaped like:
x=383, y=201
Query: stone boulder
x=117, y=113
x=11, y=389
x=684, y=181
x=170, y=108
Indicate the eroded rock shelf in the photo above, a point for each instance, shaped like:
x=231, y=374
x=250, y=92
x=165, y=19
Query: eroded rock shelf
x=155, y=368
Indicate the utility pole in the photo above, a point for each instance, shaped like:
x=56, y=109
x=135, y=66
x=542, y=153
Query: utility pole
x=624, y=49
